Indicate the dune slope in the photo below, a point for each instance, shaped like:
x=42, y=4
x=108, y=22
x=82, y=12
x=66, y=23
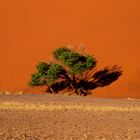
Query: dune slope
x=30, y=30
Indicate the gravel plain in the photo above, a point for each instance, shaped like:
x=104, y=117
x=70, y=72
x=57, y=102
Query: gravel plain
x=61, y=117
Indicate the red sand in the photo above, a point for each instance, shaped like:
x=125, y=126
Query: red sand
x=30, y=30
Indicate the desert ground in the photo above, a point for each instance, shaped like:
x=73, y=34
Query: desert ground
x=62, y=117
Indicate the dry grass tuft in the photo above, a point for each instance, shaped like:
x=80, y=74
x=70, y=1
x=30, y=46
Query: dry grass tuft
x=9, y=93
x=59, y=107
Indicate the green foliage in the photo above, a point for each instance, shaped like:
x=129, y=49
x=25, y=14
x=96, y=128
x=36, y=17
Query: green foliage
x=54, y=71
x=39, y=78
x=90, y=62
x=66, y=56
x=42, y=68
x=78, y=68
x=36, y=80
x=76, y=62
x=84, y=63
x=60, y=51
x=75, y=71
x=46, y=73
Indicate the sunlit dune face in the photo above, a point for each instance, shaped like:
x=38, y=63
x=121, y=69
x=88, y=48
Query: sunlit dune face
x=31, y=29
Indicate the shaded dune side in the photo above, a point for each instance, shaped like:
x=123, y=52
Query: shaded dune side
x=30, y=30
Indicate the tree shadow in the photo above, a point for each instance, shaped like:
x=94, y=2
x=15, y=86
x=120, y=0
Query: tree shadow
x=84, y=86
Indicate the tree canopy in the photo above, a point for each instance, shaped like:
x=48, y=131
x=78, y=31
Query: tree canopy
x=75, y=71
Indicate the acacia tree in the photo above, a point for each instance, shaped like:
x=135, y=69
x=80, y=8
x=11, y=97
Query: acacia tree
x=73, y=71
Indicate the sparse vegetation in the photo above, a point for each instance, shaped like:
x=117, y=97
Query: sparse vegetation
x=52, y=107
x=73, y=70
x=9, y=93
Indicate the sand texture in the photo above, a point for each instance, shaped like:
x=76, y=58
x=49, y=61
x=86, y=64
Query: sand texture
x=57, y=117
x=109, y=29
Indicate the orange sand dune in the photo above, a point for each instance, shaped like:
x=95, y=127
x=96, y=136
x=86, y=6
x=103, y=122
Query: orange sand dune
x=31, y=29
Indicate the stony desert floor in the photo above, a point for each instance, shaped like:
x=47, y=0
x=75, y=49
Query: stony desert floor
x=61, y=117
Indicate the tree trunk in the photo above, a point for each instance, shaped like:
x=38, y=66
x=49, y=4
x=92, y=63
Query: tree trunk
x=75, y=84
